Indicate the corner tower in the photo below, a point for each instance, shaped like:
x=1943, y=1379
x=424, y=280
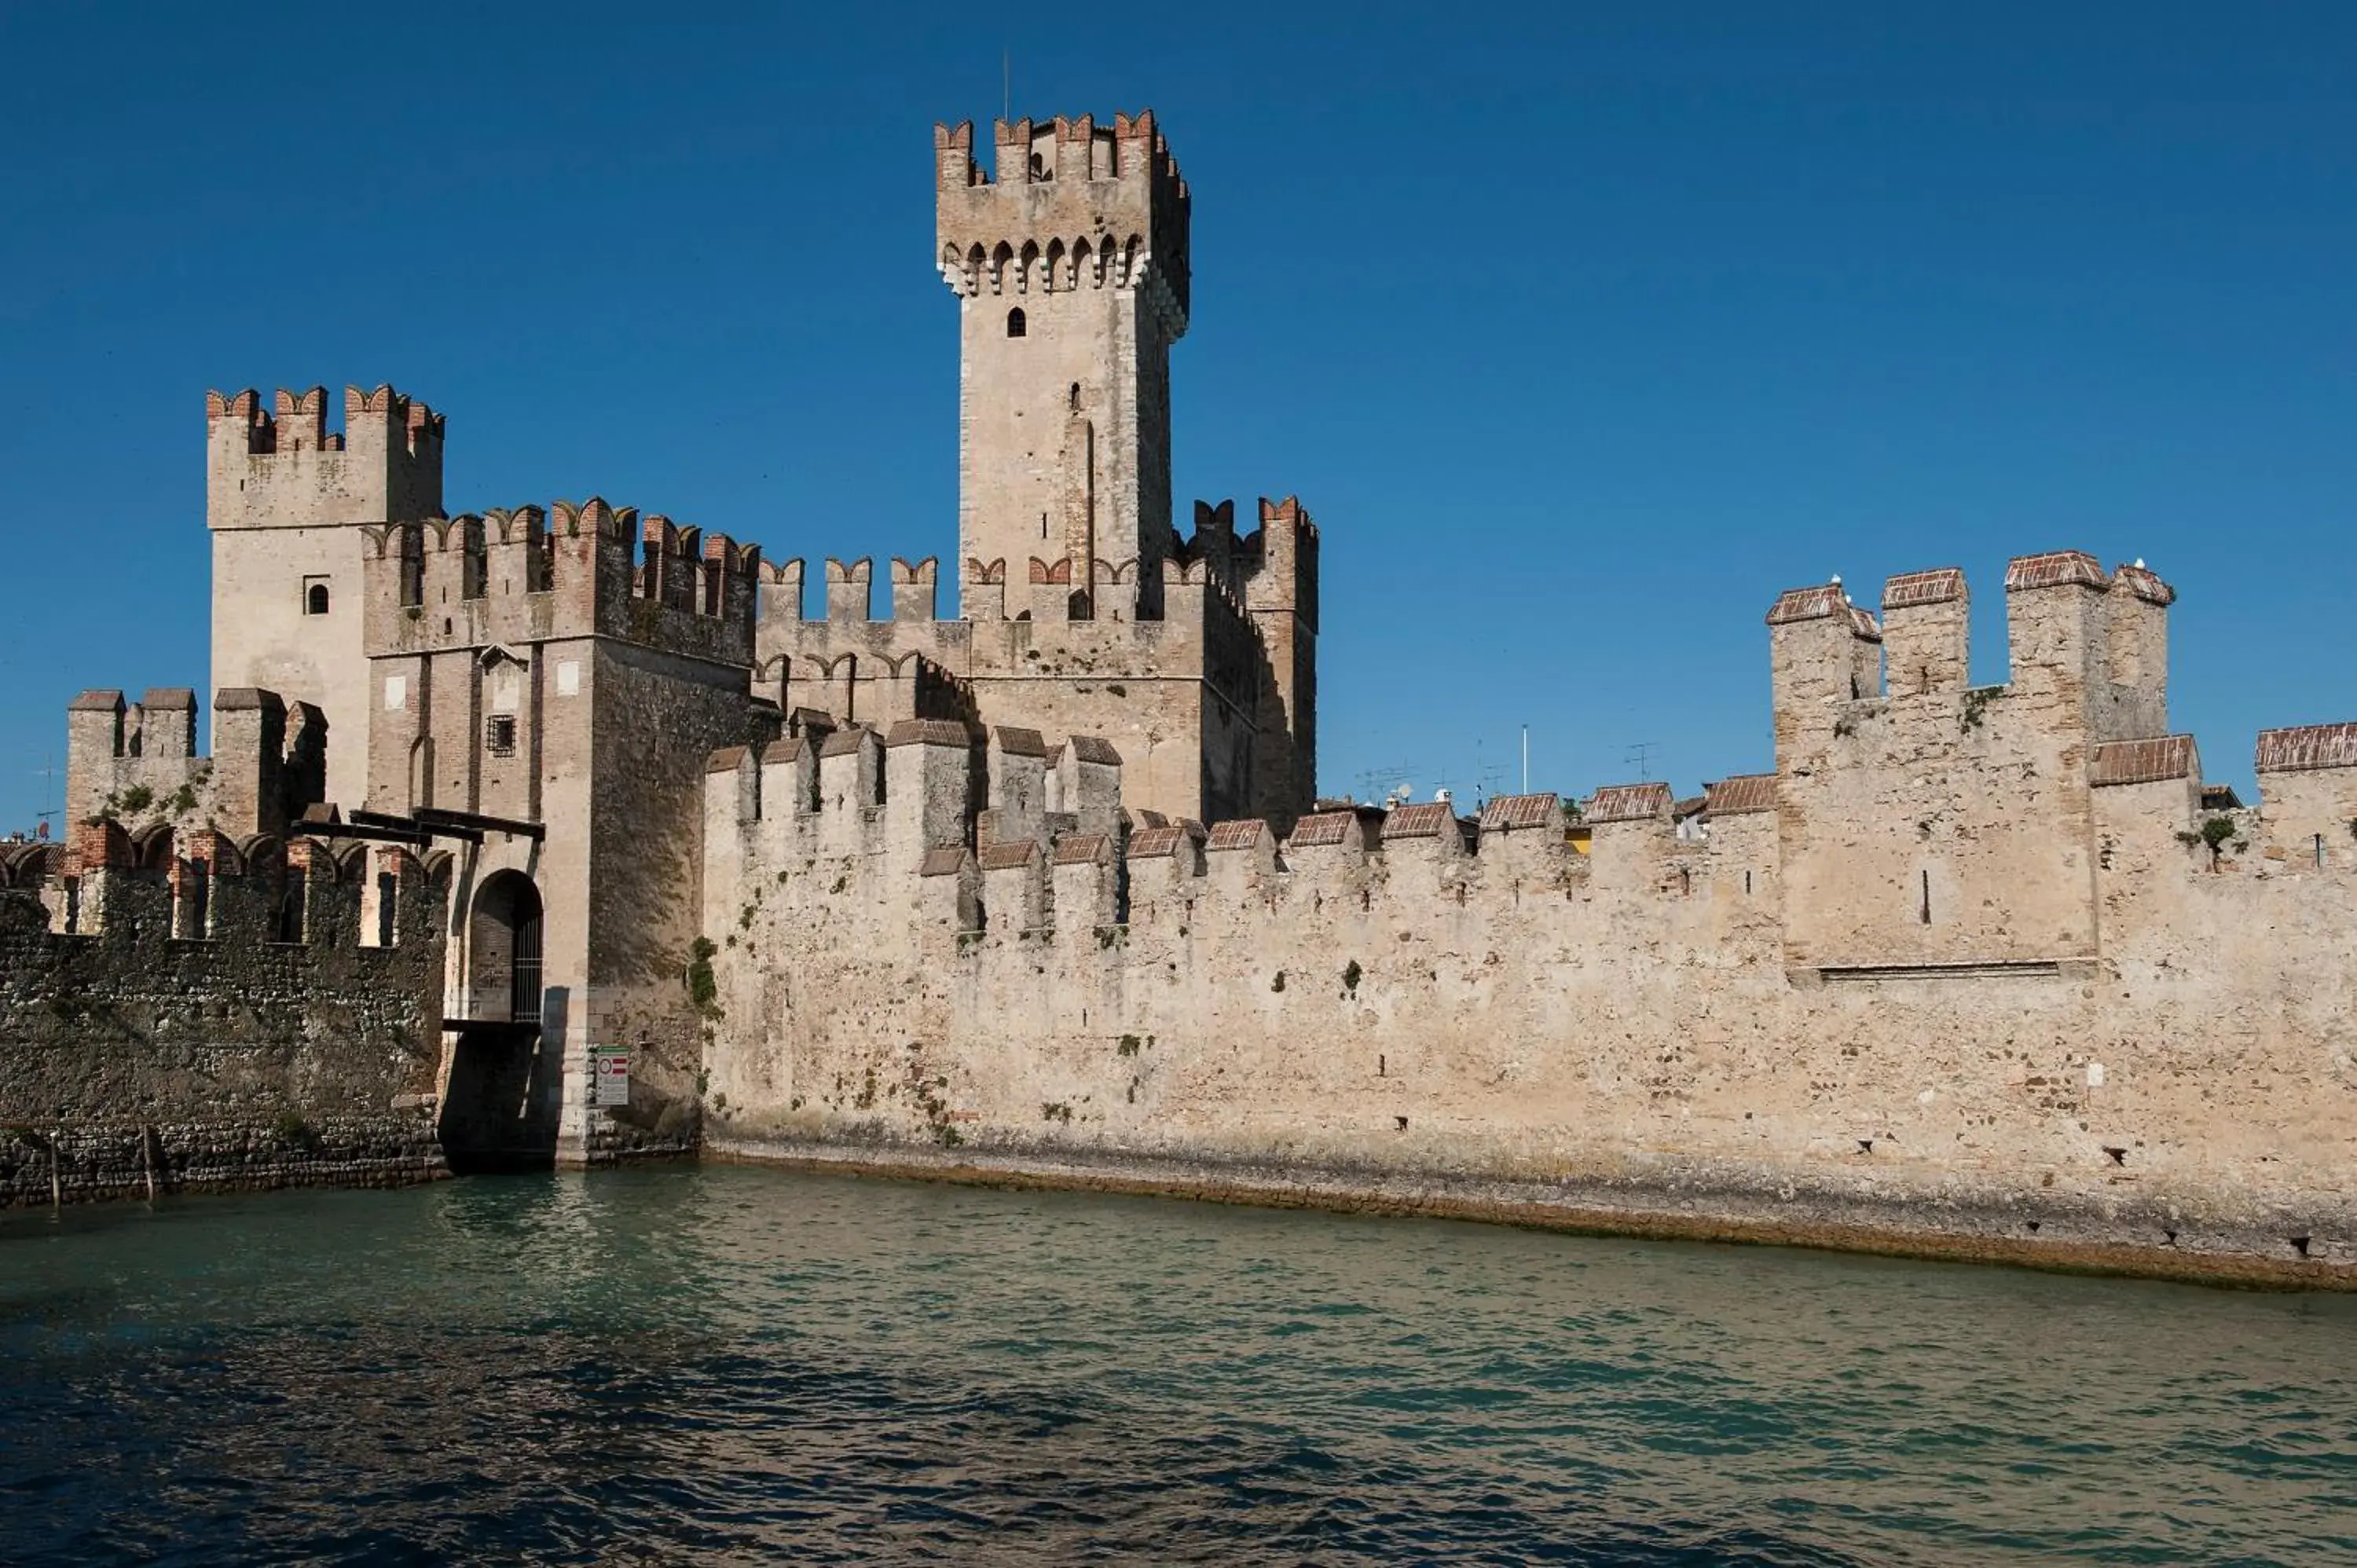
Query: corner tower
x=1069, y=262
x=286, y=499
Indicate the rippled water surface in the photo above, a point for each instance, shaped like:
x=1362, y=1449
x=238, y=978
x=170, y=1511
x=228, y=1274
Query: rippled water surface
x=730, y=1365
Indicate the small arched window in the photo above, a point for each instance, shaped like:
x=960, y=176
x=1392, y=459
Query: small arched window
x=314, y=599
x=1014, y=322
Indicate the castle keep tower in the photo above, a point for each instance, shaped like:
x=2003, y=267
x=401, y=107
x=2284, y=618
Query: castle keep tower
x=1071, y=267
x=286, y=500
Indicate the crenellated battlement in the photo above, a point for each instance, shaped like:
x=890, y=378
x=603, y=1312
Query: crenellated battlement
x=2090, y=645
x=171, y=882
x=1068, y=206
x=1925, y=824
x=281, y=466
x=569, y=570
x=138, y=765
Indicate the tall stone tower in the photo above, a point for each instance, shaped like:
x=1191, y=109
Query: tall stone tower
x=285, y=498
x=1069, y=262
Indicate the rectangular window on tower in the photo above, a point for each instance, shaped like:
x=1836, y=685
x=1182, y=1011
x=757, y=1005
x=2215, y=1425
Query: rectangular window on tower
x=498, y=734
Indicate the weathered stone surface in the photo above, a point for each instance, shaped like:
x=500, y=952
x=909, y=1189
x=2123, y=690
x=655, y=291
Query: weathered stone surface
x=223, y=1057
x=2095, y=1044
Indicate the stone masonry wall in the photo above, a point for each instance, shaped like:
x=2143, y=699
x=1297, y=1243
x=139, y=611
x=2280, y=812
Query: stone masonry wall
x=1389, y=1011
x=224, y=1060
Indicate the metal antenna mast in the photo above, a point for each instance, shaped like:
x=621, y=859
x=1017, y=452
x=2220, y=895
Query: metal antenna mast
x=1639, y=756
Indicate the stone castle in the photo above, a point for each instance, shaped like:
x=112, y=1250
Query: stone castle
x=1045, y=893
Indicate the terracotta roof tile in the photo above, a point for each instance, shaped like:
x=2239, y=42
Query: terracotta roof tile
x=1326, y=828
x=1020, y=742
x=727, y=759
x=930, y=732
x=2145, y=583
x=1628, y=804
x=1744, y=792
x=1160, y=843
x=1805, y=604
x=1824, y=602
x=1012, y=855
x=1940, y=586
x=1083, y=849
x=1094, y=748
x=2313, y=745
x=2141, y=761
x=1241, y=835
x=843, y=742
x=2054, y=569
x=1505, y=812
x=1420, y=821
x=944, y=861
x=785, y=750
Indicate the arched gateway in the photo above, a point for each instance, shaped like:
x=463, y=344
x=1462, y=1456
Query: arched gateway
x=503, y=951
x=499, y=1107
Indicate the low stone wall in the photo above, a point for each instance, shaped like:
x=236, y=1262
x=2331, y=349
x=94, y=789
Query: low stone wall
x=133, y=1061
x=103, y=1163
x=1673, y=1199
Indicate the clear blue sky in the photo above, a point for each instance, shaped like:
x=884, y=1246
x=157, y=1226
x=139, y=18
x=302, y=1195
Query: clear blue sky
x=1582, y=331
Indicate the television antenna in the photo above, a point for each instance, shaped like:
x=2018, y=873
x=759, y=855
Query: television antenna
x=1387, y=786
x=1639, y=756
x=48, y=773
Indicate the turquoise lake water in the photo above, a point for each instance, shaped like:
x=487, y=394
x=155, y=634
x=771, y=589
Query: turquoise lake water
x=729, y=1365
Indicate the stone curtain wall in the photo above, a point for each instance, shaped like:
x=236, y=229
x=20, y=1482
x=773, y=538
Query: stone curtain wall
x=231, y=1061
x=1393, y=1012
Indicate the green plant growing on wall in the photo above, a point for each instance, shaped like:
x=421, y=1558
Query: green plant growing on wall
x=2213, y=833
x=702, y=985
x=1975, y=712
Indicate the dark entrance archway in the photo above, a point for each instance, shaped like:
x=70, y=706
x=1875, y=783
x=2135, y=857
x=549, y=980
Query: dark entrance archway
x=503, y=951
x=500, y=1111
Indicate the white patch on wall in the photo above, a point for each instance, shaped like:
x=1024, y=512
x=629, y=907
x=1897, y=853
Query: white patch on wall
x=2094, y=1075
x=397, y=694
x=568, y=677
x=507, y=690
